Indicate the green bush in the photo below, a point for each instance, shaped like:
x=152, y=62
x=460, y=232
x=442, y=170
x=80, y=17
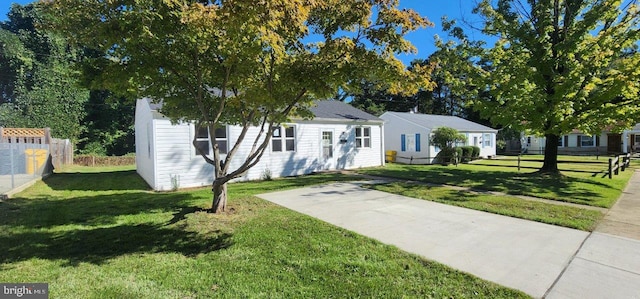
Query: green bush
x=467, y=152
x=475, y=154
x=448, y=155
x=458, y=154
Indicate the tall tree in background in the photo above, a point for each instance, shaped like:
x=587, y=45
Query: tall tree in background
x=242, y=62
x=560, y=65
x=109, y=120
x=38, y=84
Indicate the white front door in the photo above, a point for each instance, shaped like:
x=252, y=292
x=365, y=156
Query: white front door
x=326, y=150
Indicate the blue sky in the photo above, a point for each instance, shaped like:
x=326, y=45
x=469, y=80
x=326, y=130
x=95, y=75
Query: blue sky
x=422, y=39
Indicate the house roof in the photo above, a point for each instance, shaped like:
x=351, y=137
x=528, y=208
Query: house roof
x=338, y=110
x=431, y=121
x=322, y=110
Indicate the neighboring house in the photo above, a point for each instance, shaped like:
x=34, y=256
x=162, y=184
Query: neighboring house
x=578, y=143
x=408, y=134
x=339, y=137
x=631, y=140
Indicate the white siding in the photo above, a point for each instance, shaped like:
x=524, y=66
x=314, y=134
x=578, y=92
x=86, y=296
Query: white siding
x=394, y=127
x=490, y=149
x=307, y=157
x=177, y=164
x=179, y=167
x=144, y=142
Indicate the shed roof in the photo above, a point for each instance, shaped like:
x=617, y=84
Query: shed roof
x=432, y=121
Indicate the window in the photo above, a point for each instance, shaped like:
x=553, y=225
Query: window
x=363, y=137
x=417, y=142
x=288, y=139
x=327, y=145
x=411, y=142
x=202, y=141
x=561, y=141
x=486, y=140
x=587, y=141
x=221, y=139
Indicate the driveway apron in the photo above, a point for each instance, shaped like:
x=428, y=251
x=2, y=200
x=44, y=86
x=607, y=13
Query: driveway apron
x=520, y=254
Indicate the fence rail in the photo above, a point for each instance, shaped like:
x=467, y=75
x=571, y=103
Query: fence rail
x=611, y=167
x=616, y=165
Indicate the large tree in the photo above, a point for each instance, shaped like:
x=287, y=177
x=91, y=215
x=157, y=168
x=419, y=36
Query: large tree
x=38, y=84
x=560, y=65
x=252, y=63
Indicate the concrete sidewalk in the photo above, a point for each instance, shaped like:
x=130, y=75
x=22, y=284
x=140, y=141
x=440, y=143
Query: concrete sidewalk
x=539, y=259
x=608, y=265
x=520, y=254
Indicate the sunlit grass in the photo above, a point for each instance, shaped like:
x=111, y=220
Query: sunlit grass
x=561, y=215
x=579, y=183
x=92, y=233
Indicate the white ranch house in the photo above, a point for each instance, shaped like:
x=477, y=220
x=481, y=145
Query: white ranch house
x=408, y=134
x=339, y=137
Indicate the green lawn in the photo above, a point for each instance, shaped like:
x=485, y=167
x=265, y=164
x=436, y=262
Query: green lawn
x=577, y=183
x=96, y=234
x=572, y=217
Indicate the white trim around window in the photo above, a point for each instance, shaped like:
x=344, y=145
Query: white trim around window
x=363, y=137
x=284, y=139
x=587, y=141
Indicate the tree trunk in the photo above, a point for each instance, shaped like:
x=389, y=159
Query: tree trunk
x=219, y=197
x=550, y=164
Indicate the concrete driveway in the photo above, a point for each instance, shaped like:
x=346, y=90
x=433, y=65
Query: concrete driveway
x=520, y=254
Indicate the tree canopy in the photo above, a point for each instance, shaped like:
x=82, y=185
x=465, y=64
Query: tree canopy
x=38, y=84
x=558, y=66
x=242, y=62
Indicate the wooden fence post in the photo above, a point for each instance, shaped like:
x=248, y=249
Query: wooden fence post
x=617, y=166
x=610, y=168
x=518, y=163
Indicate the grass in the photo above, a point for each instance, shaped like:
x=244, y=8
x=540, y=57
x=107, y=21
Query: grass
x=94, y=233
x=577, y=184
x=566, y=216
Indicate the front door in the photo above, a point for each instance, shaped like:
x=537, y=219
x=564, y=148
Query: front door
x=614, y=143
x=327, y=149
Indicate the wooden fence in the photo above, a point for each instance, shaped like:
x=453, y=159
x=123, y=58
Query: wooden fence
x=616, y=164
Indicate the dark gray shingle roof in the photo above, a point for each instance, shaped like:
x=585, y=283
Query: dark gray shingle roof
x=431, y=121
x=322, y=109
x=337, y=110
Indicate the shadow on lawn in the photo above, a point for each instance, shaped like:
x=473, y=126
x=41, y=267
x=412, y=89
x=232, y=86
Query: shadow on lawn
x=503, y=181
x=97, y=210
x=97, y=181
x=45, y=228
x=101, y=244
